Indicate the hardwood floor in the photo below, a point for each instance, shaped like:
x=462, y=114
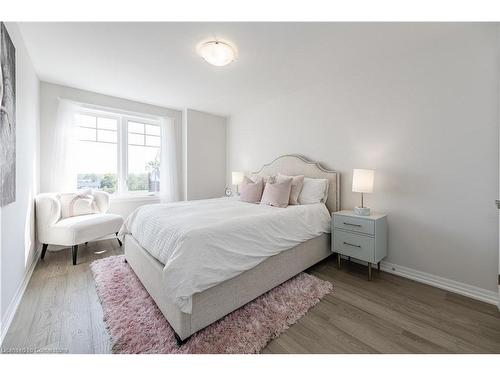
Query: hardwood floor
x=60, y=312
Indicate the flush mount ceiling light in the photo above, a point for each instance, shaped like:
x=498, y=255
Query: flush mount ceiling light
x=217, y=53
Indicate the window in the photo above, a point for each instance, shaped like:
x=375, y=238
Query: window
x=97, y=165
x=143, y=157
x=118, y=154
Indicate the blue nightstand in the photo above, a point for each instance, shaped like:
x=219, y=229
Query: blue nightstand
x=360, y=237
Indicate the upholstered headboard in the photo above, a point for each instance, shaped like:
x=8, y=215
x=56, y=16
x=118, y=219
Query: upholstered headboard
x=293, y=165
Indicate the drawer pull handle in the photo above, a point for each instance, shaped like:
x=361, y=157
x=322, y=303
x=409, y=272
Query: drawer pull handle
x=350, y=244
x=354, y=225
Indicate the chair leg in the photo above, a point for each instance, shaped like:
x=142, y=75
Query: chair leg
x=120, y=242
x=74, y=251
x=44, y=249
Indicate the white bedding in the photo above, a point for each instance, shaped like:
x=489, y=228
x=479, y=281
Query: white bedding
x=203, y=243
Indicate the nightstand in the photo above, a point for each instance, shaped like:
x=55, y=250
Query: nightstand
x=360, y=237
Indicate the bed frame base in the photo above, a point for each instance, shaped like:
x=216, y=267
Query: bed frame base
x=180, y=341
x=218, y=301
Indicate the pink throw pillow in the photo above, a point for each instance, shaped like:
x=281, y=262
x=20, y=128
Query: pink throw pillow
x=251, y=191
x=255, y=177
x=277, y=193
x=297, y=183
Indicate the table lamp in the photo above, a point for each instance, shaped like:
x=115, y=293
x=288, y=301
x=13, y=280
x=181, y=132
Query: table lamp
x=362, y=182
x=237, y=179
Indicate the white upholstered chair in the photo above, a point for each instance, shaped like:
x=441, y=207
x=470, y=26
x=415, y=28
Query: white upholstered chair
x=52, y=229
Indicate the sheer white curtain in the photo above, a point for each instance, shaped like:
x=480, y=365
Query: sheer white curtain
x=64, y=149
x=168, y=162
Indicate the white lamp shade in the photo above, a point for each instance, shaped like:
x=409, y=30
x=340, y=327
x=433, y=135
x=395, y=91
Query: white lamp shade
x=362, y=180
x=237, y=178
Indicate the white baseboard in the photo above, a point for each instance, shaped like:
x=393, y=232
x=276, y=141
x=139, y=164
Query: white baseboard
x=16, y=300
x=467, y=290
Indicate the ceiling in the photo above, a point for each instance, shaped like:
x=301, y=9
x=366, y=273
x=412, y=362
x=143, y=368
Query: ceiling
x=156, y=63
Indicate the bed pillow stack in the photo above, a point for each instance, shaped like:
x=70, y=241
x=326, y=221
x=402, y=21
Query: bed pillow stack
x=274, y=190
x=251, y=190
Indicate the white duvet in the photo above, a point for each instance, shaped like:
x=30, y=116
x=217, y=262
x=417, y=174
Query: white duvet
x=203, y=243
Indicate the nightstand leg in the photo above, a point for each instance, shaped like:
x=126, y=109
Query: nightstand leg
x=378, y=266
x=339, y=260
x=369, y=271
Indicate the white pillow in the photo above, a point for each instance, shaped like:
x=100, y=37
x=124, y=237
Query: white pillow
x=314, y=190
x=76, y=204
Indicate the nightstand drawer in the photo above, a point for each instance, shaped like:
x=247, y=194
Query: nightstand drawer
x=354, y=224
x=354, y=245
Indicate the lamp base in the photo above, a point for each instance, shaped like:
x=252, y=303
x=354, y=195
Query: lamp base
x=362, y=211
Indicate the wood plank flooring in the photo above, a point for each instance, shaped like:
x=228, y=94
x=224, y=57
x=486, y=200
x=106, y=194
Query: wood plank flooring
x=60, y=312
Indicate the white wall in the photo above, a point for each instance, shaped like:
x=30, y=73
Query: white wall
x=418, y=103
x=49, y=94
x=204, y=155
x=17, y=234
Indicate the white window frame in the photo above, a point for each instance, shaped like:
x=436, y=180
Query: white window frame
x=123, y=118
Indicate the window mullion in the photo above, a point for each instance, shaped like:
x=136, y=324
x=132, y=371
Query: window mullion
x=125, y=155
x=123, y=168
x=119, y=158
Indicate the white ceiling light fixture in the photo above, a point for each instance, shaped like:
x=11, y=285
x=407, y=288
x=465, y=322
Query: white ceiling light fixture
x=217, y=53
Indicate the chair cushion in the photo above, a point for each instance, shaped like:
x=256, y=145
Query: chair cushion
x=79, y=229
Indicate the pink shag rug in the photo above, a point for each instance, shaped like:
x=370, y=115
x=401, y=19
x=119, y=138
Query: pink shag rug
x=136, y=325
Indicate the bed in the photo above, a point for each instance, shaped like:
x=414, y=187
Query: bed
x=190, y=299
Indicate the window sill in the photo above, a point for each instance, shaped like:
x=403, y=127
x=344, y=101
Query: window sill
x=134, y=198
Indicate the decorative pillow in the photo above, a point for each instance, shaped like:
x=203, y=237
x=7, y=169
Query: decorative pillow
x=277, y=193
x=297, y=183
x=251, y=191
x=314, y=190
x=76, y=204
x=254, y=177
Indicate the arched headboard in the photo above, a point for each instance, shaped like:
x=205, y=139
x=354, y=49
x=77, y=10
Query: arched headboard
x=293, y=165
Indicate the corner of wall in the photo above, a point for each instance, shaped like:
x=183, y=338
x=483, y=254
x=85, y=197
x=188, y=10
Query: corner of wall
x=184, y=153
